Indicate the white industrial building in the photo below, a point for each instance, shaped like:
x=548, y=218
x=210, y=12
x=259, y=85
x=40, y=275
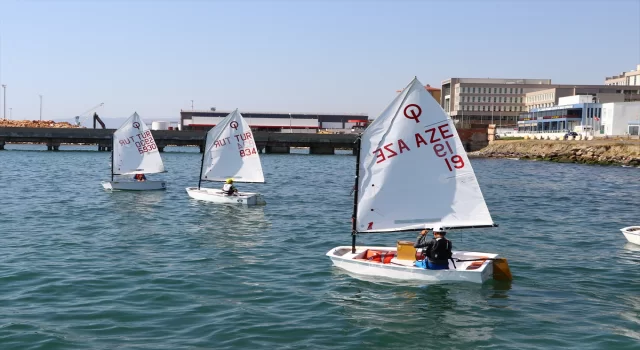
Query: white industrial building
x=620, y=118
x=274, y=122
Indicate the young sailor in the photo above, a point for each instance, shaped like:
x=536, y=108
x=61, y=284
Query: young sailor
x=228, y=188
x=437, y=251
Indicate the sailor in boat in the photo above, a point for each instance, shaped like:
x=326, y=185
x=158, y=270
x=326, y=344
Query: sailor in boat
x=436, y=252
x=140, y=177
x=228, y=188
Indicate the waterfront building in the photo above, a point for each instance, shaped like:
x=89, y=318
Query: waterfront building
x=487, y=101
x=276, y=122
x=620, y=118
x=570, y=113
x=550, y=96
x=502, y=101
x=583, y=115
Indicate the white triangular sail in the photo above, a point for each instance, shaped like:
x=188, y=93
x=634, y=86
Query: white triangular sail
x=414, y=172
x=231, y=152
x=134, y=149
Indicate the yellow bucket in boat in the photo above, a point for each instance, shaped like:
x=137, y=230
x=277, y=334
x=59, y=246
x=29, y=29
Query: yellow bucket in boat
x=501, y=271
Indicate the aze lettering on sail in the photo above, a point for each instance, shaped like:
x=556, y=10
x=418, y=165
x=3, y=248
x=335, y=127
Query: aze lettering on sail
x=435, y=138
x=414, y=172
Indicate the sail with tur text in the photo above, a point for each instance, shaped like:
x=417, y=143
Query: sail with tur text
x=135, y=150
x=231, y=152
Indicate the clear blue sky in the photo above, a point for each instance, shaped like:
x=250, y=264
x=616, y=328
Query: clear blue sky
x=296, y=56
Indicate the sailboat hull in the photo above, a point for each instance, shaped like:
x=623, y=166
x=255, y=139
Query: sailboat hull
x=217, y=196
x=470, y=271
x=134, y=185
x=632, y=234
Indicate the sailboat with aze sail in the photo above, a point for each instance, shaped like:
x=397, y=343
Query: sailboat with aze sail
x=230, y=153
x=412, y=174
x=134, y=153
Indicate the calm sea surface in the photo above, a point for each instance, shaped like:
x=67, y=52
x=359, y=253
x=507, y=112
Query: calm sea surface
x=81, y=268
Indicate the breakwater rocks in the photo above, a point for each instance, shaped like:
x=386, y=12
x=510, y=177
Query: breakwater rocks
x=604, y=152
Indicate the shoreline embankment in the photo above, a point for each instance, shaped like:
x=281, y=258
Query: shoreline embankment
x=602, y=152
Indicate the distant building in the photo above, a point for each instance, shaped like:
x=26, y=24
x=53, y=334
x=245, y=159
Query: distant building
x=625, y=78
x=487, y=101
x=601, y=93
x=435, y=92
x=274, y=122
x=570, y=113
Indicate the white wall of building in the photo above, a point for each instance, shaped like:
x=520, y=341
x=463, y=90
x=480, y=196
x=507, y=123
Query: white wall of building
x=617, y=115
x=573, y=100
x=261, y=122
x=331, y=125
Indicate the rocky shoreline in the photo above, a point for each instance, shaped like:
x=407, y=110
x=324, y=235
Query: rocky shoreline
x=602, y=152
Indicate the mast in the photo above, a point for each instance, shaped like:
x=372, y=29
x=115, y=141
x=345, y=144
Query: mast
x=112, y=147
x=204, y=150
x=354, y=216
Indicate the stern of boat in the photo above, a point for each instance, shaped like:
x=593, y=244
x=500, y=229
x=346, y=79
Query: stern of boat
x=134, y=185
x=632, y=234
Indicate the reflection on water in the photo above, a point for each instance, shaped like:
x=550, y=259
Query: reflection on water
x=442, y=311
x=135, y=202
x=632, y=247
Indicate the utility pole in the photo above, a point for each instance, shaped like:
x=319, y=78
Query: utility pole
x=4, y=113
x=40, y=107
x=10, y=113
x=192, y=105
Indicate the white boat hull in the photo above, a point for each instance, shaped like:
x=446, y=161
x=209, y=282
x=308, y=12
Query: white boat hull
x=406, y=270
x=632, y=234
x=134, y=185
x=218, y=196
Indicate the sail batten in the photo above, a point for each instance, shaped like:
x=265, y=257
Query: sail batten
x=231, y=152
x=414, y=172
x=135, y=150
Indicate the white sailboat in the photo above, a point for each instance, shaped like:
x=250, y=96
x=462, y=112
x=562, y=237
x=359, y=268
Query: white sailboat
x=230, y=153
x=412, y=174
x=632, y=234
x=133, y=152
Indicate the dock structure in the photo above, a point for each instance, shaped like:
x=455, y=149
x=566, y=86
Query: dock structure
x=269, y=142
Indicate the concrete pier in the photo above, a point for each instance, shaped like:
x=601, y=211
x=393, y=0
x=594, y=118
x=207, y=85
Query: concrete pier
x=269, y=142
x=322, y=149
x=472, y=139
x=277, y=149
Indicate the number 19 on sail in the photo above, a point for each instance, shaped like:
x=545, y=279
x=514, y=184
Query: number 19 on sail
x=454, y=162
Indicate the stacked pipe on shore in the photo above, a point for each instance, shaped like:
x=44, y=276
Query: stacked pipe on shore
x=35, y=124
x=586, y=152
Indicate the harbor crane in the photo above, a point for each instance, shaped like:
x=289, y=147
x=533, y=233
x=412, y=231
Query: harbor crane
x=95, y=116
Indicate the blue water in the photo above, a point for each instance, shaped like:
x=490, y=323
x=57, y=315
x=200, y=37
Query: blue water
x=81, y=268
